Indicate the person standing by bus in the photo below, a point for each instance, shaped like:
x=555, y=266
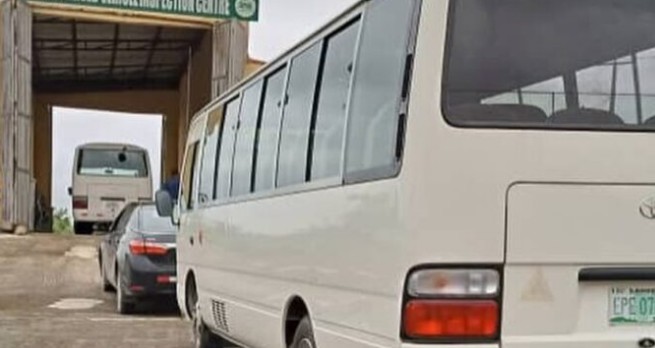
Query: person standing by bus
x=172, y=185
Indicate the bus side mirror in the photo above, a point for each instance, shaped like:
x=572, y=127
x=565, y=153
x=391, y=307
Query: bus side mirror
x=164, y=203
x=70, y=191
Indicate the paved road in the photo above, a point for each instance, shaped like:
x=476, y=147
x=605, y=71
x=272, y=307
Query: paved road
x=50, y=297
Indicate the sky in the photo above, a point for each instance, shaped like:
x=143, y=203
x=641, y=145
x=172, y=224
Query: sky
x=282, y=23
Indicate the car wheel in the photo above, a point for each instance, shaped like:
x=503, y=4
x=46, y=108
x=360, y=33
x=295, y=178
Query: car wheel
x=304, y=337
x=106, y=286
x=123, y=304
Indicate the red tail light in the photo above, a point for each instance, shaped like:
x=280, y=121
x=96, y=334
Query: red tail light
x=142, y=247
x=459, y=305
x=80, y=202
x=451, y=319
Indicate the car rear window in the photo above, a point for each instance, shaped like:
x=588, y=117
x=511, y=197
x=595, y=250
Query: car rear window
x=151, y=223
x=586, y=64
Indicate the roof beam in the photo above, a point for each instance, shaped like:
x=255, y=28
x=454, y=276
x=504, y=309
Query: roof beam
x=153, y=48
x=68, y=86
x=107, y=48
x=114, y=52
x=75, y=53
x=116, y=67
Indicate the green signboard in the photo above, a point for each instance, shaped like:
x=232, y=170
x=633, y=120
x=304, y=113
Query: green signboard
x=247, y=10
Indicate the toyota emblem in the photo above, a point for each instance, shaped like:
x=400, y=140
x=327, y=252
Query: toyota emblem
x=647, y=210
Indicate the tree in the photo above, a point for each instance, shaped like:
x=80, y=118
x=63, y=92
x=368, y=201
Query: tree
x=61, y=222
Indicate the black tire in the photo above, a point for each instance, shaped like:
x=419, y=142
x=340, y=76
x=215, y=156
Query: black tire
x=202, y=336
x=207, y=339
x=124, y=305
x=304, y=336
x=106, y=285
x=83, y=228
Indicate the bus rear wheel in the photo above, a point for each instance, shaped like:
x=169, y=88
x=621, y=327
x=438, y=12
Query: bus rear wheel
x=202, y=336
x=304, y=337
x=83, y=228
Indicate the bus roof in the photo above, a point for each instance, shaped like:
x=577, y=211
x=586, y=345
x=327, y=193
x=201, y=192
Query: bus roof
x=110, y=146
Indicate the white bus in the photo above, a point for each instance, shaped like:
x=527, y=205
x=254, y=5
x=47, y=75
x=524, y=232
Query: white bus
x=106, y=177
x=463, y=173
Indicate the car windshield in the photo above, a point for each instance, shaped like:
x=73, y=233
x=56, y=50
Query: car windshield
x=151, y=223
x=586, y=64
x=105, y=162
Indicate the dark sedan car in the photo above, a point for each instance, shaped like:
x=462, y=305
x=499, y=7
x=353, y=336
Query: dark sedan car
x=137, y=256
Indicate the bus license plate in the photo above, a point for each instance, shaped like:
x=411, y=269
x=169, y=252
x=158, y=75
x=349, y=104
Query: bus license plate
x=632, y=306
x=112, y=206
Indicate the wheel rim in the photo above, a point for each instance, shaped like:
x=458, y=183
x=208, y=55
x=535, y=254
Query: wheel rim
x=305, y=343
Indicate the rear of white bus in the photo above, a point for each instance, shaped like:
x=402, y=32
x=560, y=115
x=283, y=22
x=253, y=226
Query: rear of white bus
x=545, y=148
x=106, y=177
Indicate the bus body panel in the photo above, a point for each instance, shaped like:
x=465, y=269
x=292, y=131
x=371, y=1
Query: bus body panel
x=542, y=205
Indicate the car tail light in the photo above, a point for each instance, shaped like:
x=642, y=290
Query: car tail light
x=142, y=247
x=80, y=202
x=452, y=305
x=163, y=279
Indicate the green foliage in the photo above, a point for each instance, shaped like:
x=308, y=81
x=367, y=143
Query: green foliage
x=61, y=222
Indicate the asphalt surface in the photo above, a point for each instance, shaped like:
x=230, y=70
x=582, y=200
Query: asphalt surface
x=51, y=297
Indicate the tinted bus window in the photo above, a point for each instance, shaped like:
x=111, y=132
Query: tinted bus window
x=208, y=163
x=224, y=171
x=267, y=132
x=245, y=146
x=551, y=63
x=327, y=143
x=377, y=90
x=294, y=139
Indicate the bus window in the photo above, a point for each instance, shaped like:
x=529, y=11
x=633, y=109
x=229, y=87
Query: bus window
x=245, y=144
x=294, y=139
x=188, y=173
x=225, y=160
x=551, y=63
x=208, y=163
x=377, y=91
x=327, y=142
x=112, y=162
x=267, y=131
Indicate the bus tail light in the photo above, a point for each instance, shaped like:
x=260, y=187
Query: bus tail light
x=80, y=202
x=451, y=319
x=142, y=247
x=452, y=305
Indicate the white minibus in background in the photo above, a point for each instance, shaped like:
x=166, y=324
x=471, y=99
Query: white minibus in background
x=436, y=173
x=106, y=177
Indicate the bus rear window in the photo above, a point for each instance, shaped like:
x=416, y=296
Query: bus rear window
x=99, y=162
x=572, y=64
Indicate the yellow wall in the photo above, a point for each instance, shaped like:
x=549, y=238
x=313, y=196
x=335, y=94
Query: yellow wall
x=152, y=102
x=252, y=66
